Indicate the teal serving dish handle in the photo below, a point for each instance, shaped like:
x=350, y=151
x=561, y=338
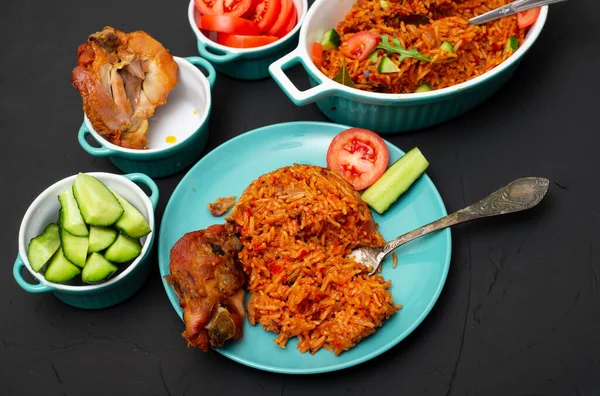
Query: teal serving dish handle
x=214, y=57
x=193, y=87
x=211, y=74
x=148, y=182
x=319, y=90
x=106, y=294
x=246, y=67
x=28, y=287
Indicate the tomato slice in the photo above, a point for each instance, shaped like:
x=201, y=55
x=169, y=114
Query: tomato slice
x=528, y=17
x=228, y=24
x=240, y=41
x=290, y=26
x=359, y=155
x=287, y=6
x=359, y=45
x=223, y=7
x=265, y=13
x=317, y=54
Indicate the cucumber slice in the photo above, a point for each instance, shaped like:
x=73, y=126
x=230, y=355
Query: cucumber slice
x=512, y=44
x=42, y=247
x=423, y=88
x=60, y=269
x=131, y=222
x=123, y=250
x=387, y=66
x=72, y=221
x=100, y=238
x=97, y=204
x=395, y=181
x=447, y=46
x=74, y=248
x=330, y=40
x=97, y=269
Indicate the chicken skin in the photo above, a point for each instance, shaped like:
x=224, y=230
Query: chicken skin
x=122, y=78
x=208, y=280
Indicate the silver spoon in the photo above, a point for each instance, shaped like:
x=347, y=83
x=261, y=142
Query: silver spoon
x=521, y=194
x=509, y=9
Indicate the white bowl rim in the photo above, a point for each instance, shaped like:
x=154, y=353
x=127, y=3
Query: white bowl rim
x=232, y=50
x=52, y=193
x=181, y=62
x=534, y=32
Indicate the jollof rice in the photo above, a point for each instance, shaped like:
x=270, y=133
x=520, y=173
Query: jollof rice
x=477, y=49
x=297, y=225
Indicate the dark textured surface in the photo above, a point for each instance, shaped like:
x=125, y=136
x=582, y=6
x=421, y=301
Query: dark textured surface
x=520, y=311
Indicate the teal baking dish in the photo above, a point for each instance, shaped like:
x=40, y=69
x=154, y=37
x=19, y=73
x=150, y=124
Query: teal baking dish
x=380, y=112
x=177, y=133
x=245, y=63
x=126, y=283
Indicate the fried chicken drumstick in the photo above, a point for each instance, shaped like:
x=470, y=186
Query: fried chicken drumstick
x=208, y=280
x=122, y=78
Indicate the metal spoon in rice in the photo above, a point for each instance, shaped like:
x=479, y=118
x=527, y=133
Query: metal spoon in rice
x=509, y=9
x=521, y=194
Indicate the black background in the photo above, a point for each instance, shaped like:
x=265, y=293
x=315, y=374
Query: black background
x=519, y=314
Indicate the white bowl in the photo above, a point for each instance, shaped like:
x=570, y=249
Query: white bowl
x=184, y=117
x=44, y=210
x=186, y=110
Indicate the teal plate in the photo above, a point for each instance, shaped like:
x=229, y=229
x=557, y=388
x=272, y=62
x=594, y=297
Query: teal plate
x=417, y=281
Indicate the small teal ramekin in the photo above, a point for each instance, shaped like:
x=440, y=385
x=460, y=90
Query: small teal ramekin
x=245, y=63
x=185, y=116
x=379, y=112
x=44, y=210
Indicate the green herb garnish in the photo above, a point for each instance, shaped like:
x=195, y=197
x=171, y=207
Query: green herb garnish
x=343, y=77
x=396, y=48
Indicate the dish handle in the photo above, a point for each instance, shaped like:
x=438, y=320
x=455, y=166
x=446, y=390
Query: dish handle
x=95, y=151
x=28, y=287
x=211, y=74
x=225, y=57
x=300, y=98
x=148, y=182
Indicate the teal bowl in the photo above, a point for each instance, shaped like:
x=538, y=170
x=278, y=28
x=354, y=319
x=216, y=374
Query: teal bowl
x=245, y=63
x=126, y=283
x=380, y=112
x=184, y=119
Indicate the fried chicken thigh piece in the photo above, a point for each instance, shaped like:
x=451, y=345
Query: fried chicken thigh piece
x=208, y=280
x=122, y=78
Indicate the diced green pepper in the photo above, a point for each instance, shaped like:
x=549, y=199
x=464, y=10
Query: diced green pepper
x=512, y=44
x=447, y=46
x=387, y=66
x=330, y=40
x=374, y=57
x=423, y=88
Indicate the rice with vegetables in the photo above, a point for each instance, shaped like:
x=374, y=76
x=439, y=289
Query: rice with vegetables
x=451, y=50
x=297, y=225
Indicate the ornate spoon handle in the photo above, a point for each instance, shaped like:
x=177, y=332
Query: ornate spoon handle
x=521, y=194
x=510, y=9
